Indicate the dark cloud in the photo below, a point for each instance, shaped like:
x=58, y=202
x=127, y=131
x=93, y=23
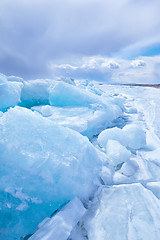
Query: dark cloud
x=34, y=33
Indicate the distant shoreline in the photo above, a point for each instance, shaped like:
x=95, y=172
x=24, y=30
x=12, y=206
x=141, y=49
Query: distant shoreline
x=133, y=84
x=143, y=85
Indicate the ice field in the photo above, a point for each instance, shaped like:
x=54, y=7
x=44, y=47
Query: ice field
x=79, y=160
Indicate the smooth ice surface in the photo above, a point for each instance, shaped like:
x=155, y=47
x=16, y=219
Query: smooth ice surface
x=128, y=212
x=129, y=168
x=36, y=92
x=106, y=175
x=110, y=134
x=46, y=163
x=63, y=94
x=60, y=225
x=155, y=188
x=117, y=152
x=135, y=136
x=10, y=92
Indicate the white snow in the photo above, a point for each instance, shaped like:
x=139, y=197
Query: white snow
x=46, y=111
x=124, y=212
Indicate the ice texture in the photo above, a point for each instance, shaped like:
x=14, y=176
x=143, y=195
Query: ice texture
x=63, y=94
x=135, y=136
x=78, y=139
x=110, y=134
x=89, y=121
x=127, y=211
x=47, y=163
x=154, y=187
x=60, y=225
x=117, y=152
x=36, y=92
x=76, y=108
x=10, y=93
x=131, y=136
x=106, y=175
x=129, y=168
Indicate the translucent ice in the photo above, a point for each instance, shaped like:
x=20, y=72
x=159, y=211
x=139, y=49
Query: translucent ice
x=60, y=225
x=36, y=92
x=89, y=121
x=10, y=93
x=63, y=94
x=42, y=166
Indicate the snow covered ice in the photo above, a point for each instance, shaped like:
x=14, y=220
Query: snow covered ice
x=78, y=160
x=126, y=211
x=131, y=136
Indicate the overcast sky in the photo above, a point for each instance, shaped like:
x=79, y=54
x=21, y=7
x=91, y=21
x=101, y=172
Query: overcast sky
x=37, y=33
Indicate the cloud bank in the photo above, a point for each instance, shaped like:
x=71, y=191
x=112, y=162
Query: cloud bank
x=143, y=70
x=36, y=33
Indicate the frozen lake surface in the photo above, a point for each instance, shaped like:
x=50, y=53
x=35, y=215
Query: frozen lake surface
x=79, y=161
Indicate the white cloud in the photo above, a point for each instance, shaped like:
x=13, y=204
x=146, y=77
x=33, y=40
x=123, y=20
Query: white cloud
x=95, y=68
x=138, y=63
x=111, y=64
x=34, y=33
x=143, y=70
